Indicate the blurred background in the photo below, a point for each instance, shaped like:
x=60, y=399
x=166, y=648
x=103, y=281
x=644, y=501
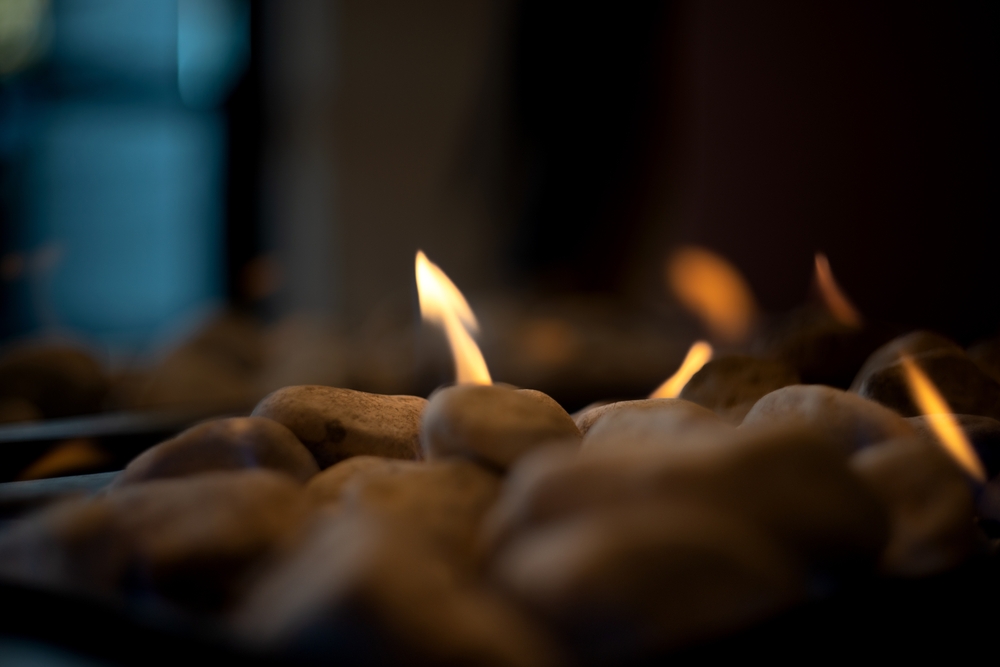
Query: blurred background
x=204, y=200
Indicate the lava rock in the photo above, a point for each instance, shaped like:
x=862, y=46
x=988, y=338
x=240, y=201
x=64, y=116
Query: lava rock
x=730, y=385
x=982, y=432
x=193, y=540
x=966, y=388
x=367, y=592
x=986, y=355
x=656, y=423
x=792, y=481
x=851, y=419
x=327, y=487
x=223, y=444
x=912, y=344
x=493, y=424
x=339, y=423
x=58, y=381
x=929, y=502
x=622, y=583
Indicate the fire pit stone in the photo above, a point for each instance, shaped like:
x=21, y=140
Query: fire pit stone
x=493, y=424
x=730, y=385
x=912, y=344
x=369, y=591
x=656, y=423
x=190, y=539
x=223, y=444
x=855, y=421
x=963, y=385
x=335, y=424
x=931, y=511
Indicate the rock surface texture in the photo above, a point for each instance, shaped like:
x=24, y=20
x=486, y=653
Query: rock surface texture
x=730, y=385
x=223, y=444
x=853, y=420
x=493, y=424
x=190, y=540
x=335, y=424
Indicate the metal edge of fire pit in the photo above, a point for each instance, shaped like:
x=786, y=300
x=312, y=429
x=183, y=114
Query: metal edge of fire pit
x=121, y=435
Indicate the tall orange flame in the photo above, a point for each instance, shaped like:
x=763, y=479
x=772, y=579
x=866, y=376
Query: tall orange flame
x=714, y=290
x=941, y=420
x=836, y=301
x=442, y=304
x=699, y=355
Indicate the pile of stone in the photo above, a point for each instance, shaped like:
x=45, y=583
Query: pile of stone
x=487, y=525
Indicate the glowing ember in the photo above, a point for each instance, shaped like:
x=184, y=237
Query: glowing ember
x=714, y=290
x=836, y=301
x=699, y=355
x=939, y=416
x=442, y=304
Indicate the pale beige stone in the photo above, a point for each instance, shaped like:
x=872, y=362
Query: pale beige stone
x=223, y=444
x=336, y=424
x=626, y=581
x=492, y=424
x=929, y=503
x=853, y=420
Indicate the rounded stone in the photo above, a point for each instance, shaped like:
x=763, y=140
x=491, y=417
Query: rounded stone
x=853, y=420
x=372, y=592
x=656, y=423
x=335, y=424
x=443, y=501
x=912, y=344
x=961, y=383
x=820, y=349
x=730, y=385
x=982, y=432
x=929, y=503
x=223, y=444
x=326, y=487
x=623, y=583
x=492, y=424
x=192, y=540
x=60, y=381
x=792, y=481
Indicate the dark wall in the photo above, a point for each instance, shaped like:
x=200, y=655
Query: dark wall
x=768, y=131
x=863, y=129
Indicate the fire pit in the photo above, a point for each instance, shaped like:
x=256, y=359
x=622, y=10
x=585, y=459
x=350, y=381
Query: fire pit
x=735, y=511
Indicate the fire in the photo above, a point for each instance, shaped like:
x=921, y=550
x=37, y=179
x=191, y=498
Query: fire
x=714, y=290
x=699, y=355
x=942, y=422
x=442, y=304
x=836, y=301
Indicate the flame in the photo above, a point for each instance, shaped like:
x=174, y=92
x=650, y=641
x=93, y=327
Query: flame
x=714, y=290
x=699, y=355
x=941, y=420
x=836, y=301
x=442, y=304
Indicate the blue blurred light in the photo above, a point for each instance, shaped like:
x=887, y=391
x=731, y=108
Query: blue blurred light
x=133, y=39
x=130, y=199
x=213, y=44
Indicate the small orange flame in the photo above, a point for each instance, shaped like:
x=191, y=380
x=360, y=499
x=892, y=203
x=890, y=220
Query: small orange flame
x=941, y=420
x=699, y=355
x=836, y=301
x=714, y=290
x=442, y=304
